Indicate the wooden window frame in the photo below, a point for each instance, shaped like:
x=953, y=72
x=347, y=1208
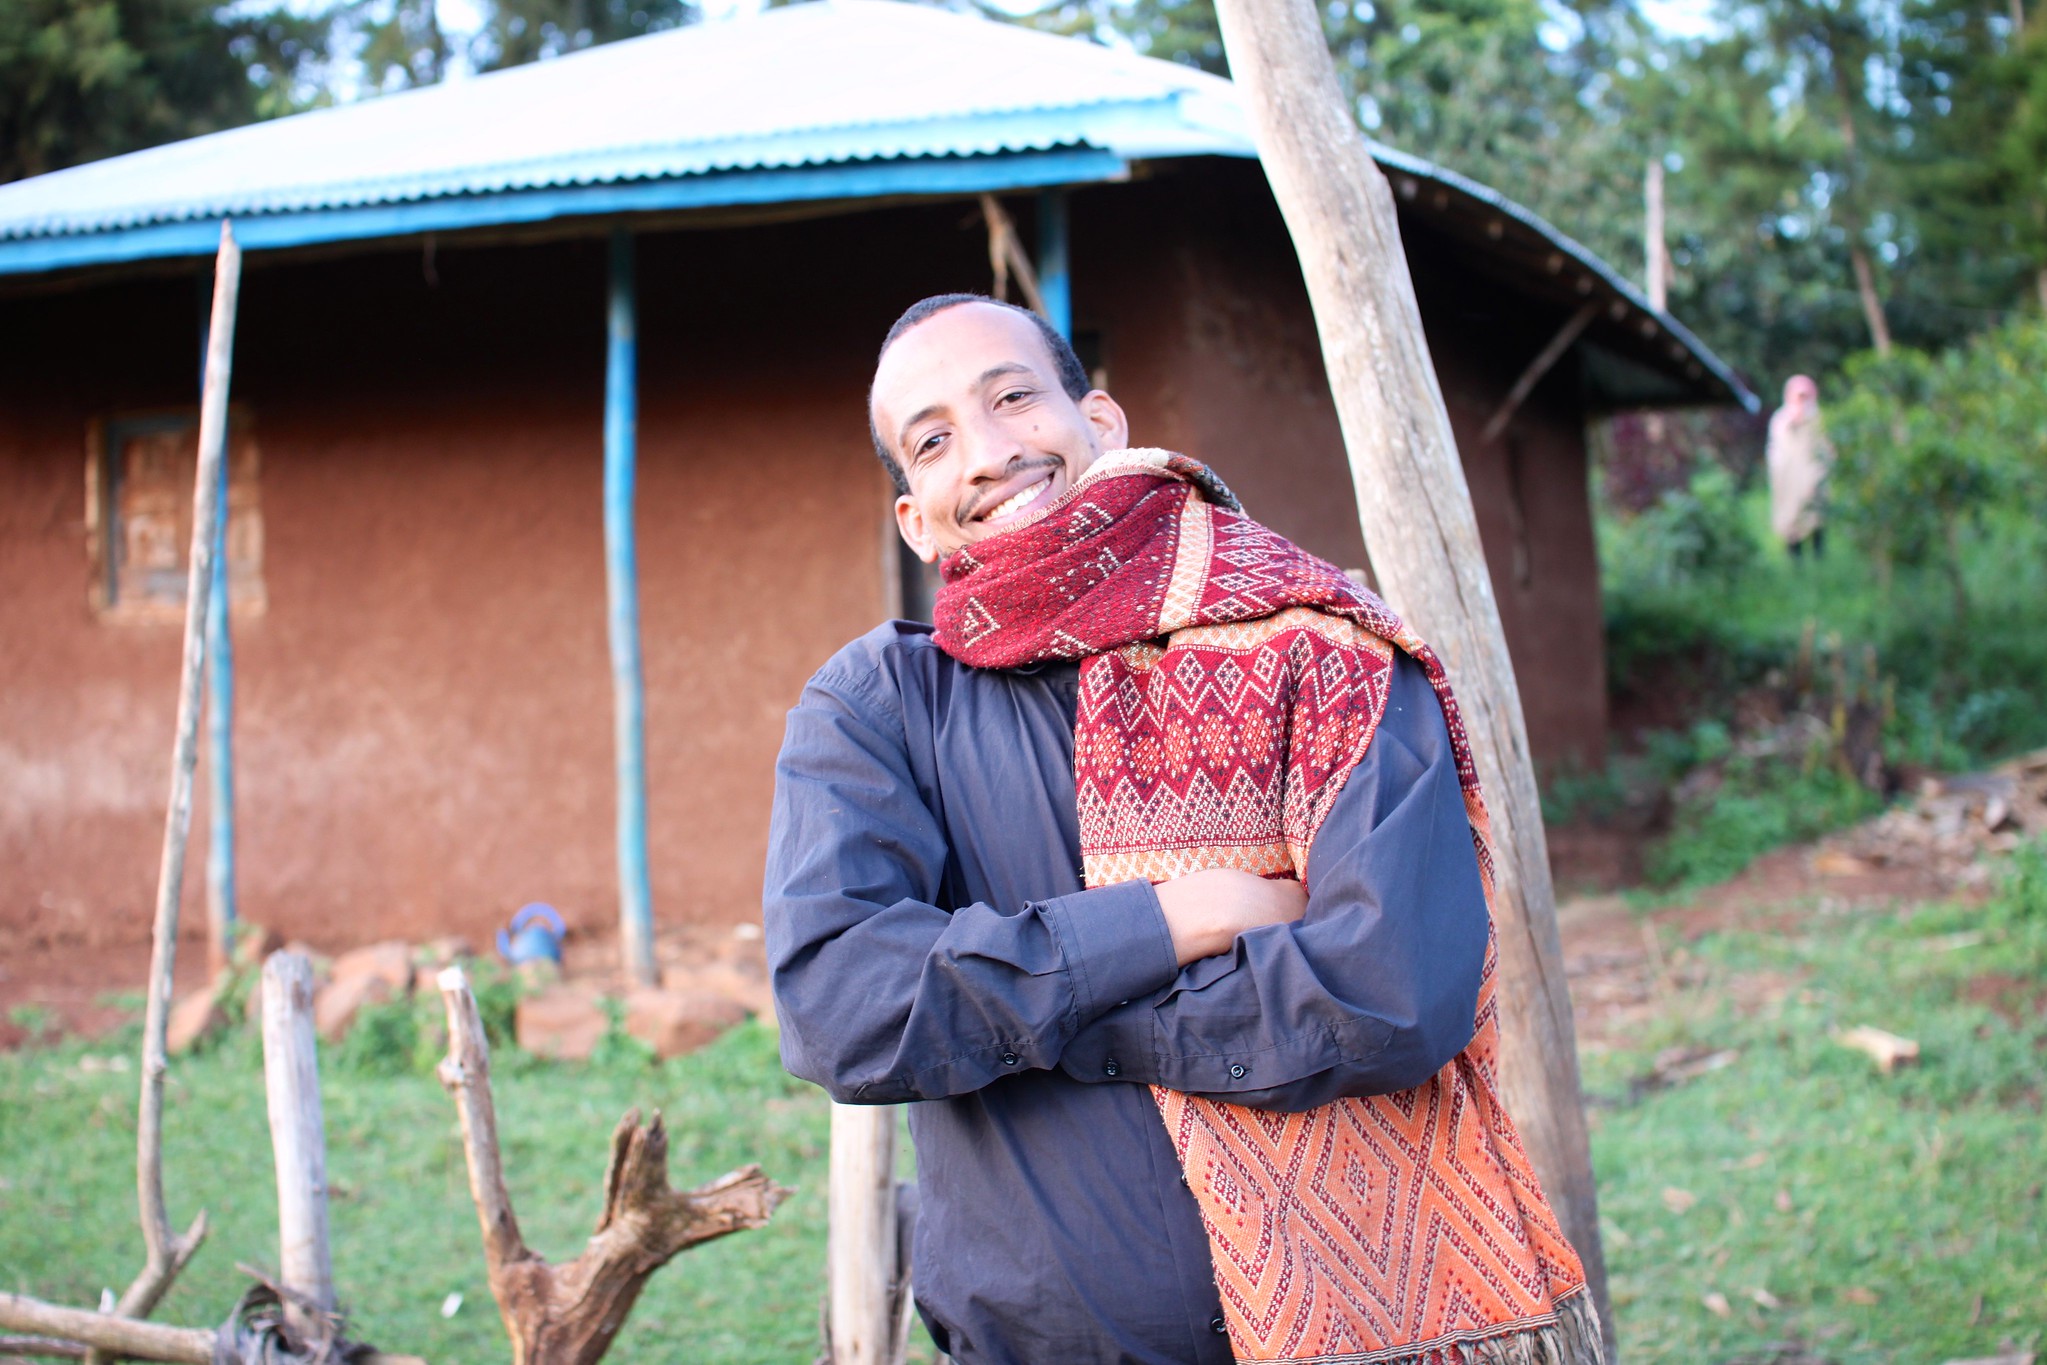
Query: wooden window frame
x=249, y=595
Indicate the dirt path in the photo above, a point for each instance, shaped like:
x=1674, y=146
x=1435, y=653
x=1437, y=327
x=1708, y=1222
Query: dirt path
x=1622, y=962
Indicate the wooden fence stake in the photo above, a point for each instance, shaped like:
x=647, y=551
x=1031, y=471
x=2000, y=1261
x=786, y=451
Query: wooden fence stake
x=291, y=1076
x=867, y=1263
x=1415, y=510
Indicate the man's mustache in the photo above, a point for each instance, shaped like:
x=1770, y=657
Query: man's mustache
x=973, y=502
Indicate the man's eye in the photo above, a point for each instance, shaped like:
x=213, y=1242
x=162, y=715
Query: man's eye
x=1014, y=395
x=928, y=444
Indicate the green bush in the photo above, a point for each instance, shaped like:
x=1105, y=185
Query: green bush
x=1927, y=446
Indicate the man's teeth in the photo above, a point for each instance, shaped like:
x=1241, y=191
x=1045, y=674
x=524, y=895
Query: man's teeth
x=1011, y=506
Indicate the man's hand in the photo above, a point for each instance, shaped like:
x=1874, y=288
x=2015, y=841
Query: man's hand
x=1205, y=911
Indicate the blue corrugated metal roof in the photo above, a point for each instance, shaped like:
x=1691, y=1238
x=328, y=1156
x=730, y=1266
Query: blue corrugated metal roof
x=837, y=99
x=833, y=83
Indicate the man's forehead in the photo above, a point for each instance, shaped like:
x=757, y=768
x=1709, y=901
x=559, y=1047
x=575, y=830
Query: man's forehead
x=948, y=354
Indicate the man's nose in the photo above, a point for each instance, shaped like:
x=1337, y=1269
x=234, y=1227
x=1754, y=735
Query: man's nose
x=990, y=452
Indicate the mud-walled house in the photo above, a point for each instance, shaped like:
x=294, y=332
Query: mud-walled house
x=423, y=686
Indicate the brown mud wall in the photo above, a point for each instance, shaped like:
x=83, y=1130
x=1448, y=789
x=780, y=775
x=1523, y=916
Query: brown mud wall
x=424, y=734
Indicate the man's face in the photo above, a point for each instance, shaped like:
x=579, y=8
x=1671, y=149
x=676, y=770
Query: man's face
x=969, y=403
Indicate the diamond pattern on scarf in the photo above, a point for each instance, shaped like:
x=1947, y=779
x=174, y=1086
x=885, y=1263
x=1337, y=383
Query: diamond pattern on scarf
x=1393, y=1230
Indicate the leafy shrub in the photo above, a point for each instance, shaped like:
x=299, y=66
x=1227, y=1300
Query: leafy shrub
x=1698, y=533
x=1754, y=809
x=1927, y=445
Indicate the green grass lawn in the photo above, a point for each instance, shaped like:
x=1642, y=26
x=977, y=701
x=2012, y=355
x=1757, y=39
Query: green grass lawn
x=1838, y=1215
x=1852, y=1216
x=404, y=1231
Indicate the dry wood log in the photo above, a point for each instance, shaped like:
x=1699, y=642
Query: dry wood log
x=1422, y=536
x=568, y=1314
x=13, y=1349
x=106, y=1331
x=63, y=1333
x=298, y=1140
x=167, y=1253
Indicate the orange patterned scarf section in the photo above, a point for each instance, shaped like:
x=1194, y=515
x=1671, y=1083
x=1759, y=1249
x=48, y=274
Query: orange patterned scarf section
x=1230, y=683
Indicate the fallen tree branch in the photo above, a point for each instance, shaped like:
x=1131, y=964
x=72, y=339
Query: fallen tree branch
x=107, y=1332
x=49, y=1348
x=568, y=1314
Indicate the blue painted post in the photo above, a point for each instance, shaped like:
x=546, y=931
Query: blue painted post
x=221, y=910
x=1055, y=279
x=621, y=576
x=220, y=751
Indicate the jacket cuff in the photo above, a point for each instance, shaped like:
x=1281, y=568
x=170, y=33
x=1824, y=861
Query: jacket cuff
x=1115, y=942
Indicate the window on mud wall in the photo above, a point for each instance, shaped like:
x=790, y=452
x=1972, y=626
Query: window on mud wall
x=138, y=511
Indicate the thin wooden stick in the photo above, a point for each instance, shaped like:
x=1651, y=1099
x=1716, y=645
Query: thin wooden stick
x=105, y=1332
x=168, y=1253
x=1422, y=534
x=291, y=1075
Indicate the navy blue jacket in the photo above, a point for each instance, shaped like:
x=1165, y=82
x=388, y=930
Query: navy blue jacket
x=930, y=940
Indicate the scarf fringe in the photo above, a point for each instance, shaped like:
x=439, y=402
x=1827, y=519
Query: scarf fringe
x=1571, y=1337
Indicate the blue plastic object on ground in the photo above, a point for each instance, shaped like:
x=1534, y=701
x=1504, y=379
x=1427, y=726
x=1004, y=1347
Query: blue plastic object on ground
x=535, y=935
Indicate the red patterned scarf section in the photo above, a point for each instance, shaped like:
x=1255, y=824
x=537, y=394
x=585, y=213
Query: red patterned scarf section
x=1230, y=682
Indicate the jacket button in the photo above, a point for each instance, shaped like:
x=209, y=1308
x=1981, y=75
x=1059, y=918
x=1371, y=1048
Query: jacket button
x=1218, y=1326
x=1183, y=1180
x=1010, y=1059
x=1109, y=1068
x=1237, y=1073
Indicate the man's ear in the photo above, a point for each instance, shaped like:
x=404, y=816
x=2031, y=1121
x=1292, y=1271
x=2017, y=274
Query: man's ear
x=1105, y=415
x=916, y=531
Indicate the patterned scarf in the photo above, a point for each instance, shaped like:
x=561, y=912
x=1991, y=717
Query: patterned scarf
x=1230, y=682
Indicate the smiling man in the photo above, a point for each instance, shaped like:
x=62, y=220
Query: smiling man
x=1155, y=875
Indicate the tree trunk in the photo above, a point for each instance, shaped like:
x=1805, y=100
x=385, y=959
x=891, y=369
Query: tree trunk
x=1656, y=259
x=1872, y=305
x=1422, y=535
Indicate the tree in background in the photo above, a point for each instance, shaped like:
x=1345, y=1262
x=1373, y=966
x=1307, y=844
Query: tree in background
x=402, y=43
x=83, y=79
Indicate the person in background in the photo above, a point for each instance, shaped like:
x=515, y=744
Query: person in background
x=1799, y=457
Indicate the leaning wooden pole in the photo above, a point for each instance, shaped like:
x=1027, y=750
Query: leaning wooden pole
x=1422, y=536
x=166, y=1251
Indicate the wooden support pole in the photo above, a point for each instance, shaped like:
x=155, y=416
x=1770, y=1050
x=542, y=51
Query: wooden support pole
x=1574, y=326
x=1415, y=510
x=862, y=1273
x=1055, y=274
x=298, y=1139
x=1006, y=257
x=220, y=752
x=622, y=581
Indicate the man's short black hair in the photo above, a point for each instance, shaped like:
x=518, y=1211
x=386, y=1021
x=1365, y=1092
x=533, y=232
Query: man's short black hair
x=1072, y=375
